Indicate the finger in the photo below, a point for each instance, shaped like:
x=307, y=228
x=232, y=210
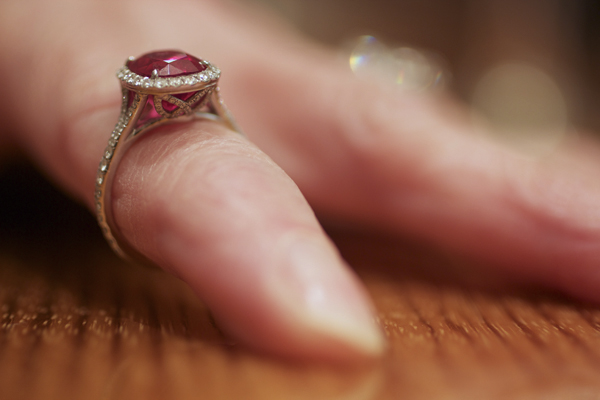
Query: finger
x=414, y=164
x=235, y=227
x=200, y=201
x=359, y=152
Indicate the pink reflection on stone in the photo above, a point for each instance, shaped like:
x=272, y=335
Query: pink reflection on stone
x=130, y=97
x=148, y=113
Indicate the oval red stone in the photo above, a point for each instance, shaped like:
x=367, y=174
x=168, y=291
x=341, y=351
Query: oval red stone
x=167, y=63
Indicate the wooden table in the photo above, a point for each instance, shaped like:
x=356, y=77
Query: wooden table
x=77, y=323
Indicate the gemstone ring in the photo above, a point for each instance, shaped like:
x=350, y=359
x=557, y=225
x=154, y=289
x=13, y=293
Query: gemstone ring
x=158, y=88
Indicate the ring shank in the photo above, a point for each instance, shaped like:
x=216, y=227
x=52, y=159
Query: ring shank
x=134, y=105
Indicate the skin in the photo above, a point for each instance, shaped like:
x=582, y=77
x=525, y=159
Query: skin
x=231, y=216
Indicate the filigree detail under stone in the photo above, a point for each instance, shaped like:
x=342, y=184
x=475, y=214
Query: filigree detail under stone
x=184, y=106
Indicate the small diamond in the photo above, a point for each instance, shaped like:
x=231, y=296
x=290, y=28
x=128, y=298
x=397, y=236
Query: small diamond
x=146, y=82
x=175, y=82
x=98, y=194
x=103, y=165
x=98, y=206
x=160, y=83
x=203, y=78
x=100, y=180
x=112, y=142
x=108, y=152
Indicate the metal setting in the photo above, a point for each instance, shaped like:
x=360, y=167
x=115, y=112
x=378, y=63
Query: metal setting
x=206, y=103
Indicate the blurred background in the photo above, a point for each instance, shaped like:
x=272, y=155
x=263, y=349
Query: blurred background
x=529, y=68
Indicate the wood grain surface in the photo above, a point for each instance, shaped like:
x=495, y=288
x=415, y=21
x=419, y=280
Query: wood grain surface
x=78, y=323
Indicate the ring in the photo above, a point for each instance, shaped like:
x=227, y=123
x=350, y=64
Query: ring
x=158, y=88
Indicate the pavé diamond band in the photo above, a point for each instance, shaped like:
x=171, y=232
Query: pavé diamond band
x=158, y=88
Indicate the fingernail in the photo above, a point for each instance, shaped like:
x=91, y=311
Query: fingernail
x=323, y=296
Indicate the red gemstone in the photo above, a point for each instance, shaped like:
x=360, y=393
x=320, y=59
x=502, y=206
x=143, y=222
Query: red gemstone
x=167, y=63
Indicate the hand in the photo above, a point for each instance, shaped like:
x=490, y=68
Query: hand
x=209, y=206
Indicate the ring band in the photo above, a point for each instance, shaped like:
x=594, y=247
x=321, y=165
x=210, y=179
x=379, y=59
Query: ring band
x=158, y=88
